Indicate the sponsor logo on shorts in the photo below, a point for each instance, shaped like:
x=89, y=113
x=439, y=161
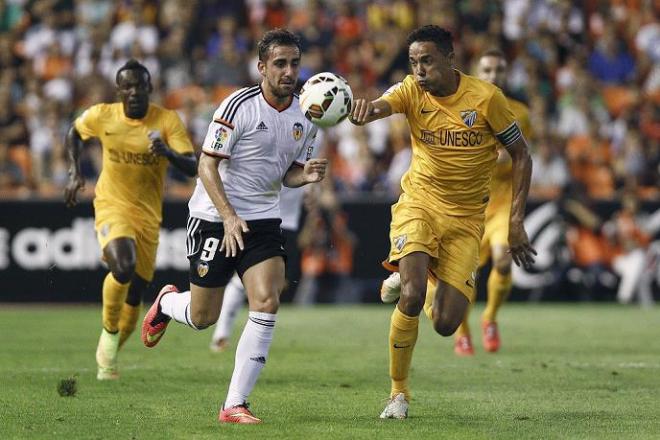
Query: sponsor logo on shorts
x=400, y=241
x=202, y=269
x=297, y=131
x=105, y=229
x=310, y=151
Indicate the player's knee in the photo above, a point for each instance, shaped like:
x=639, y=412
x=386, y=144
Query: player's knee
x=503, y=264
x=123, y=271
x=269, y=304
x=203, y=319
x=445, y=326
x=411, y=303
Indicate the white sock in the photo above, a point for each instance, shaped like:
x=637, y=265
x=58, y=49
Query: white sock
x=233, y=300
x=177, y=306
x=251, y=355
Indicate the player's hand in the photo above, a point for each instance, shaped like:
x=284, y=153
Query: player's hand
x=75, y=184
x=314, y=170
x=158, y=146
x=232, y=242
x=521, y=250
x=361, y=109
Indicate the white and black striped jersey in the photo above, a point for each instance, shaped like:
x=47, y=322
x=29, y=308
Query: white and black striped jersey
x=259, y=145
x=291, y=199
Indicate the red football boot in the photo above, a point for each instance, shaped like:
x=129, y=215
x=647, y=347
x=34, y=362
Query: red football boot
x=491, y=336
x=238, y=414
x=151, y=333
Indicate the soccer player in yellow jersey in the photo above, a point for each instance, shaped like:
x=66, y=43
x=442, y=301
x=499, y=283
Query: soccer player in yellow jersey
x=139, y=140
x=456, y=122
x=492, y=67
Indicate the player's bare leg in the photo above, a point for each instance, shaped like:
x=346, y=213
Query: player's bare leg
x=120, y=255
x=449, y=308
x=264, y=283
x=499, y=287
x=404, y=326
x=462, y=338
x=197, y=308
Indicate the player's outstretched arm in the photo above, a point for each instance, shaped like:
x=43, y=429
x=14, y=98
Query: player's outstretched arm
x=187, y=162
x=363, y=111
x=522, y=251
x=313, y=171
x=233, y=225
x=74, y=145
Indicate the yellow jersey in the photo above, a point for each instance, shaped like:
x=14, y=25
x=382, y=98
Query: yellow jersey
x=454, y=142
x=501, y=185
x=132, y=178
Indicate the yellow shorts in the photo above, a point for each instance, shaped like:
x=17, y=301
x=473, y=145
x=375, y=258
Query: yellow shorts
x=111, y=224
x=452, y=242
x=496, y=233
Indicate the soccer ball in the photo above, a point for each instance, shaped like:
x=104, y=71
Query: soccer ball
x=325, y=99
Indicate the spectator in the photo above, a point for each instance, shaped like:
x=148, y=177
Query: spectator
x=632, y=262
x=610, y=60
x=550, y=173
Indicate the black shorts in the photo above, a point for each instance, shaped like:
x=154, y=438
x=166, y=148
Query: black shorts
x=210, y=268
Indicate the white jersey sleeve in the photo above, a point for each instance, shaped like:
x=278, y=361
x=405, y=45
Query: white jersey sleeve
x=227, y=125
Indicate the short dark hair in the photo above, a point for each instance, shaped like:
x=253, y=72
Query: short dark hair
x=435, y=34
x=277, y=37
x=133, y=64
x=493, y=52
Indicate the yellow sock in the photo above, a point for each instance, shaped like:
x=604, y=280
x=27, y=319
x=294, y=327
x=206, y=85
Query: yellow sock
x=499, y=287
x=403, y=335
x=430, y=296
x=114, y=295
x=127, y=321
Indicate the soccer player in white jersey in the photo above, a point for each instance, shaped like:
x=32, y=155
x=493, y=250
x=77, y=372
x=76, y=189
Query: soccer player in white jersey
x=291, y=200
x=258, y=140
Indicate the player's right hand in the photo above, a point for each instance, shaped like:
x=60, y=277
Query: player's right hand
x=232, y=241
x=361, y=109
x=76, y=183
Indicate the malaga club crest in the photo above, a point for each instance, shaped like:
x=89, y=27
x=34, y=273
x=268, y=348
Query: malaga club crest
x=297, y=131
x=400, y=241
x=469, y=117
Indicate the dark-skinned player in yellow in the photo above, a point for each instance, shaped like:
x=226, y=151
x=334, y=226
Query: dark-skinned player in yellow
x=457, y=122
x=491, y=67
x=139, y=141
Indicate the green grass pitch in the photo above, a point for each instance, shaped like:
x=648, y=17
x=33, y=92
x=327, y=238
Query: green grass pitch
x=565, y=371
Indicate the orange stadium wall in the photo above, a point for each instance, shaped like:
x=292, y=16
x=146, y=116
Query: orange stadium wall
x=50, y=254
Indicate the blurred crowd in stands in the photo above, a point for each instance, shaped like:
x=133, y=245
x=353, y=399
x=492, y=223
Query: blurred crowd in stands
x=589, y=70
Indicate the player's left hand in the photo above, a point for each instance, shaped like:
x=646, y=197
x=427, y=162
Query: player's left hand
x=314, y=170
x=158, y=146
x=521, y=250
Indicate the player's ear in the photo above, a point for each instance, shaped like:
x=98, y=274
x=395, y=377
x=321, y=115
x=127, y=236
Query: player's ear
x=261, y=66
x=450, y=59
x=150, y=87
